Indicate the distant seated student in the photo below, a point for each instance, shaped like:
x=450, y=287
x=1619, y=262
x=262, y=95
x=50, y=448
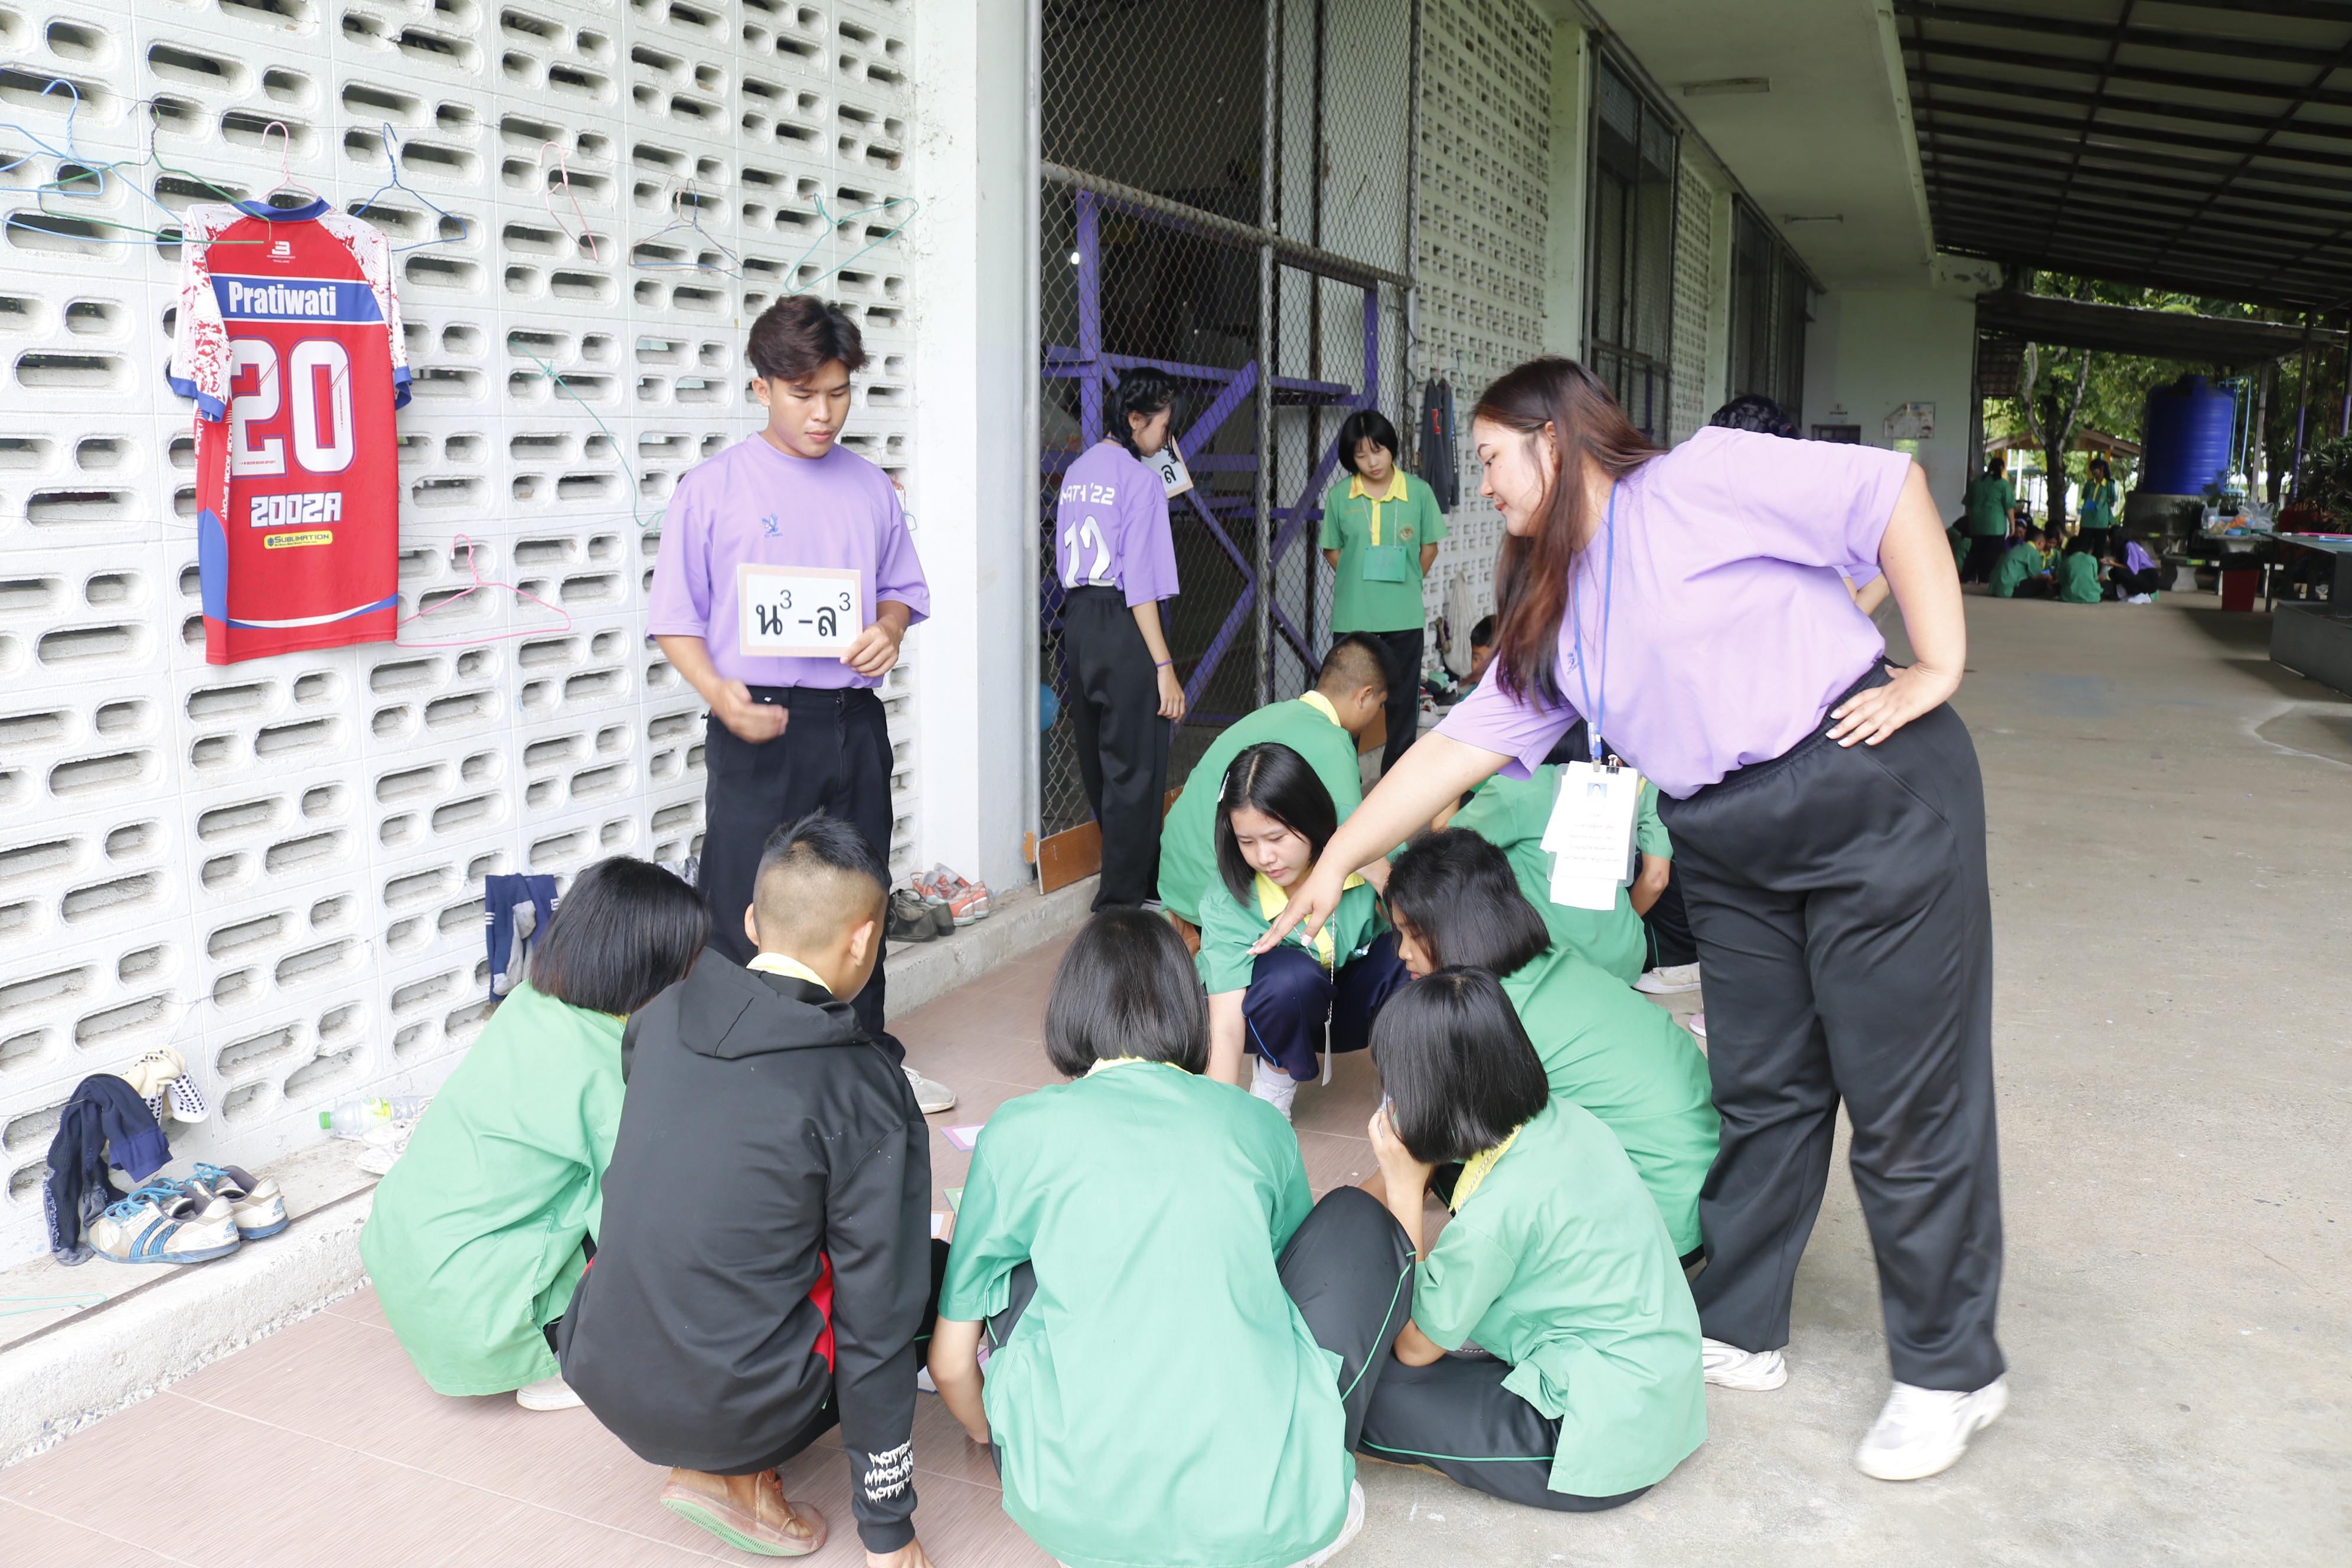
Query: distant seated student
x=766, y=1265
x=2024, y=570
x=1456, y=905
x=1325, y=726
x=2133, y=574
x=1482, y=648
x=1281, y=1010
x=2074, y=578
x=1181, y=1352
x=1555, y=1263
x=481, y=1231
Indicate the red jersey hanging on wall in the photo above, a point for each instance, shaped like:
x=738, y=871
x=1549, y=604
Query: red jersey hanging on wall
x=289, y=338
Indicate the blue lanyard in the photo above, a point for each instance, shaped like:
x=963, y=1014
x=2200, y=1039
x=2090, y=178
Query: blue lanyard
x=1608, y=594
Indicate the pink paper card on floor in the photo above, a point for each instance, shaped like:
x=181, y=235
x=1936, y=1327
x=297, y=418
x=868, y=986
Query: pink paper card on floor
x=963, y=1137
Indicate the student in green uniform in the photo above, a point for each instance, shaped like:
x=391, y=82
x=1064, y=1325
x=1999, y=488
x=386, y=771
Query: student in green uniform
x=1555, y=1263
x=2076, y=576
x=481, y=1231
x=1511, y=815
x=2024, y=571
x=1173, y=1378
x=1325, y=727
x=2103, y=505
x=1988, y=499
x=1284, y=1007
x=1380, y=530
x=1455, y=904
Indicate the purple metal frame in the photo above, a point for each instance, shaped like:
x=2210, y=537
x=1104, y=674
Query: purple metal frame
x=1094, y=370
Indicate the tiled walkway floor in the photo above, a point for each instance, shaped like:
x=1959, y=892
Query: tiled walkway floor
x=320, y=1445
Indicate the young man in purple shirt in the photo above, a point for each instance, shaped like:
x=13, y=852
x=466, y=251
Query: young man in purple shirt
x=785, y=583
x=1115, y=560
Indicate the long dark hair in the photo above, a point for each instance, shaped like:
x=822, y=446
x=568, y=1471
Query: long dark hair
x=1275, y=780
x=1126, y=988
x=1531, y=577
x=1143, y=391
x=624, y=933
x=1457, y=894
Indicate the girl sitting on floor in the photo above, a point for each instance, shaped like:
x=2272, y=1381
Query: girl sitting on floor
x=1556, y=1265
x=481, y=1231
x=1273, y=816
x=1176, y=1374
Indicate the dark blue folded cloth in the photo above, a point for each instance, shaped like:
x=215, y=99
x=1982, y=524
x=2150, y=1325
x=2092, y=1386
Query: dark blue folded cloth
x=104, y=1123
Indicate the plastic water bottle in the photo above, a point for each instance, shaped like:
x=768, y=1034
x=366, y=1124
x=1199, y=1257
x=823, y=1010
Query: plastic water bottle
x=358, y=1118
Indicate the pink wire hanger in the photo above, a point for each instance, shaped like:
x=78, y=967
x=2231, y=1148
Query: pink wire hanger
x=474, y=566
x=547, y=199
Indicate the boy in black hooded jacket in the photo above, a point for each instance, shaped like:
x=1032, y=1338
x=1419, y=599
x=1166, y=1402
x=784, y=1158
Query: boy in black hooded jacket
x=764, y=1266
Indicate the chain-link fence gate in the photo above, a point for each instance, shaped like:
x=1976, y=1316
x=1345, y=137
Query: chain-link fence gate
x=1225, y=191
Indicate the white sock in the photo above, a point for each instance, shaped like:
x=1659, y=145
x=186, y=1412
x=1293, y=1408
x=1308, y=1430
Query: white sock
x=1273, y=1085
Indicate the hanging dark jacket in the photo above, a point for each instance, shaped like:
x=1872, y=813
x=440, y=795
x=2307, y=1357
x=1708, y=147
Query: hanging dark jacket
x=1435, y=446
x=104, y=1114
x=769, y=1153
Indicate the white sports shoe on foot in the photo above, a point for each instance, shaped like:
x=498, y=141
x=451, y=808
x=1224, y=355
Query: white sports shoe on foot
x=548, y=1394
x=931, y=1096
x=1752, y=1372
x=1348, y=1530
x=1668, y=980
x=1273, y=1085
x=1923, y=1432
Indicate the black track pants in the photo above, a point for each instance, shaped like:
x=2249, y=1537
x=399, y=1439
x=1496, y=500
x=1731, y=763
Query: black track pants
x=1122, y=741
x=1839, y=897
x=834, y=757
x=1455, y=1416
x=1404, y=657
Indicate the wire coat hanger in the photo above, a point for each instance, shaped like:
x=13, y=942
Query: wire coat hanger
x=691, y=226
x=547, y=199
x=286, y=179
x=465, y=542
x=392, y=156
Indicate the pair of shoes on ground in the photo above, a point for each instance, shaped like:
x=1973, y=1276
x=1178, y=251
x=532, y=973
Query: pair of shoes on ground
x=914, y=918
x=1920, y=1432
x=210, y=1214
x=965, y=900
x=1668, y=980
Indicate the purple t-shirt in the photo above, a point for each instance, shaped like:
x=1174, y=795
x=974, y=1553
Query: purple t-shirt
x=1110, y=526
x=1730, y=632
x=754, y=505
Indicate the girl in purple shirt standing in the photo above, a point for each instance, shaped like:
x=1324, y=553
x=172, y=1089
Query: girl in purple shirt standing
x=1828, y=818
x=1115, y=560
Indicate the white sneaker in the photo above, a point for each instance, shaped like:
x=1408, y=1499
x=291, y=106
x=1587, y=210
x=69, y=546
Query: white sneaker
x=1273, y=1085
x=932, y=1096
x=1348, y=1532
x=1696, y=1025
x=1668, y=980
x=1752, y=1371
x=548, y=1394
x=1923, y=1431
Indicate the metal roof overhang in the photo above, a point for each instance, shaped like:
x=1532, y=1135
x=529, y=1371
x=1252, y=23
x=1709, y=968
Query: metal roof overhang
x=2125, y=330
x=2199, y=146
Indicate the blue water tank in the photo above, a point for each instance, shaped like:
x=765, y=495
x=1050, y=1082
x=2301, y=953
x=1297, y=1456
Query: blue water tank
x=2188, y=437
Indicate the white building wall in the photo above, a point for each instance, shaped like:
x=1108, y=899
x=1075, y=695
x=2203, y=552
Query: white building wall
x=1694, y=205
x=276, y=867
x=1872, y=350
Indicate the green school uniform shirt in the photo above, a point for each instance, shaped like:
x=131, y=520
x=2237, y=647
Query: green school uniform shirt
x=1623, y=1058
x=1187, y=841
x=1990, y=501
x=1228, y=930
x=1510, y=813
x=1558, y=1264
x=1379, y=538
x=2100, y=502
x=1960, y=542
x=2077, y=576
x=2022, y=562
x=1160, y=1400
x=473, y=1241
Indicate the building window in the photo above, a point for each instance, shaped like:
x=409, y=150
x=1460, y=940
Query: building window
x=1631, y=334
x=1771, y=303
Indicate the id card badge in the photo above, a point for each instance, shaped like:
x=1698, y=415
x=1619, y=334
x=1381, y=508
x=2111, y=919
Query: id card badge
x=1590, y=833
x=1385, y=563
x=797, y=611
x=1175, y=478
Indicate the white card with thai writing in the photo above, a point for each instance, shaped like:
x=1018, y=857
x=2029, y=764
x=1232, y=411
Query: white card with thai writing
x=797, y=611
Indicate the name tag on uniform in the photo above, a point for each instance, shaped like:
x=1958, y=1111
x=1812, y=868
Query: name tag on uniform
x=1386, y=563
x=1590, y=833
x=797, y=611
x=1174, y=476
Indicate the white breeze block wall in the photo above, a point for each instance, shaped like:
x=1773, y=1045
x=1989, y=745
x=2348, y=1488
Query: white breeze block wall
x=1486, y=108
x=276, y=867
x=1694, y=403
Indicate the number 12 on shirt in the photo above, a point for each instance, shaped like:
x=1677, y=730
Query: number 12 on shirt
x=797, y=611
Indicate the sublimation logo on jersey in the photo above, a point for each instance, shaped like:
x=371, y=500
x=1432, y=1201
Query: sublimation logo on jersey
x=297, y=510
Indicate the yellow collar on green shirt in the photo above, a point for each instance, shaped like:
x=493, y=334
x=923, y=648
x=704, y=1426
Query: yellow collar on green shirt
x=1396, y=491
x=1475, y=1168
x=1272, y=901
x=1322, y=704
x=1127, y=1061
x=778, y=964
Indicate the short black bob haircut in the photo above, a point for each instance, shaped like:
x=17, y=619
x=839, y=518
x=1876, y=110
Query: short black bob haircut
x=1483, y=634
x=1365, y=425
x=799, y=335
x=828, y=841
x=1276, y=781
x=1126, y=988
x=624, y=933
x=1457, y=895
x=1460, y=1074
x=1143, y=391
x=1754, y=411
